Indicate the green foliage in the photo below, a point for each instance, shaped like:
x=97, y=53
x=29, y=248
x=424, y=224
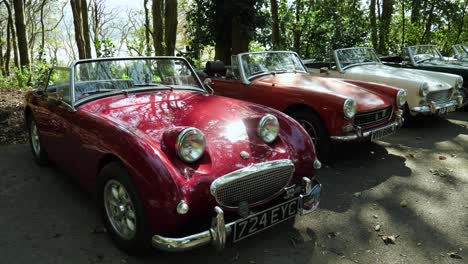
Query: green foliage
x=105, y=47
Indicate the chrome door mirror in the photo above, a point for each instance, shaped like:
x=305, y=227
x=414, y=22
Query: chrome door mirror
x=207, y=83
x=323, y=70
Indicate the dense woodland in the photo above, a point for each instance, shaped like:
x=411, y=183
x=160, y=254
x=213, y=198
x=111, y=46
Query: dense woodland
x=36, y=34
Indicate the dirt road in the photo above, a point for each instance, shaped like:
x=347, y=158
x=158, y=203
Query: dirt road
x=414, y=185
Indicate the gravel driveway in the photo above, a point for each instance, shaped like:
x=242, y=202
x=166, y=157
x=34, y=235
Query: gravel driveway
x=412, y=186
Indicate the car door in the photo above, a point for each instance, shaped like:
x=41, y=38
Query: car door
x=55, y=126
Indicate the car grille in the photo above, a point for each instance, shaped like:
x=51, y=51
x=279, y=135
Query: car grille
x=439, y=96
x=252, y=184
x=371, y=118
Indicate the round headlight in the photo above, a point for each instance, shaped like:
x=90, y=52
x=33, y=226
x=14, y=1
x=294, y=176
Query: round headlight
x=424, y=89
x=190, y=144
x=349, y=108
x=401, y=97
x=459, y=83
x=268, y=128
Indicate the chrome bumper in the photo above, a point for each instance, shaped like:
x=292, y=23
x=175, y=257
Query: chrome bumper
x=434, y=107
x=365, y=134
x=216, y=235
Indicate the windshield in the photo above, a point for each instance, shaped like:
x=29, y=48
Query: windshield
x=461, y=51
x=126, y=75
x=356, y=56
x=425, y=53
x=256, y=64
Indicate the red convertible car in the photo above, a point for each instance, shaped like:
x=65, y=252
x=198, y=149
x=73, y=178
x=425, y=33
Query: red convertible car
x=171, y=165
x=331, y=110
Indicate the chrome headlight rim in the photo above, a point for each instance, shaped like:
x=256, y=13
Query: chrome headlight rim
x=459, y=83
x=180, y=146
x=268, y=135
x=349, y=108
x=424, y=89
x=401, y=97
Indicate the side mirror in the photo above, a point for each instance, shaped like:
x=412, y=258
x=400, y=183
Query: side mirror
x=324, y=70
x=207, y=83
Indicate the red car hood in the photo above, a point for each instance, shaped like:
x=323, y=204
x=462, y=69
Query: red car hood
x=229, y=125
x=367, y=100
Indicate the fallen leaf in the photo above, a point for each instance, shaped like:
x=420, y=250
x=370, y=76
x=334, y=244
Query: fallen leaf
x=442, y=158
x=454, y=255
x=332, y=234
x=357, y=194
x=377, y=228
x=403, y=203
x=411, y=155
x=375, y=216
x=389, y=239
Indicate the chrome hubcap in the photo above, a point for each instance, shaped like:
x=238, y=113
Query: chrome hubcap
x=310, y=130
x=36, y=144
x=119, y=209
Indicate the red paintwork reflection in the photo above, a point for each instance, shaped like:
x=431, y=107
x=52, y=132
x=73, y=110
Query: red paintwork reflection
x=140, y=130
x=324, y=95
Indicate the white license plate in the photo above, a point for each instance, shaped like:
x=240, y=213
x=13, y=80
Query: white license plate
x=447, y=110
x=258, y=222
x=383, y=132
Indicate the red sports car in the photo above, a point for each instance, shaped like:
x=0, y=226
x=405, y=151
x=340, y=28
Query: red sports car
x=331, y=110
x=168, y=161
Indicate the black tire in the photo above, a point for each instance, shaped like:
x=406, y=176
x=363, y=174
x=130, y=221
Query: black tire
x=37, y=149
x=316, y=130
x=140, y=242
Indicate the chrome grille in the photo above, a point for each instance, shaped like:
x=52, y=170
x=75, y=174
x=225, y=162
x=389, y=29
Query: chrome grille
x=252, y=184
x=371, y=118
x=439, y=96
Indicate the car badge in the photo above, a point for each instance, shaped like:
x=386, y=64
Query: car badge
x=244, y=154
x=244, y=209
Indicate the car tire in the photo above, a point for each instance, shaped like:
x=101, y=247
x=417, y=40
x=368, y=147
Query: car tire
x=37, y=149
x=316, y=130
x=122, y=210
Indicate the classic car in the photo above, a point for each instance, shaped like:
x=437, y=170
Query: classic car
x=331, y=110
x=460, y=52
x=171, y=165
x=429, y=58
x=428, y=92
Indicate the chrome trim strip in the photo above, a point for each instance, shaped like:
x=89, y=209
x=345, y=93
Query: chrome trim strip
x=437, y=106
x=365, y=134
x=217, y=234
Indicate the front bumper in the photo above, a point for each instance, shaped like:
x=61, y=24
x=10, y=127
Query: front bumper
x=433, y=107
x=359, y=134
x=220, y=231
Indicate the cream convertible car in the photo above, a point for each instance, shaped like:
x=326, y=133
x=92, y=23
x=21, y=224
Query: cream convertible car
x=428, y=92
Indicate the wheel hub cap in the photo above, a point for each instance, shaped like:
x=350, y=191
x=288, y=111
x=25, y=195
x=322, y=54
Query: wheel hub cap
x=119, y=209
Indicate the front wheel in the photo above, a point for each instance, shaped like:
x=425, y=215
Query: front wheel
x=122, y=210
x=38, y=151
x=316, y=130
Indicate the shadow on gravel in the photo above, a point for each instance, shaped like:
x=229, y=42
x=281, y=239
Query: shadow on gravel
x=357, y=167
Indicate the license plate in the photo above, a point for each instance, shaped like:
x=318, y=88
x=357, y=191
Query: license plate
x=447, y=110
x=258, y=222
x=383, y=132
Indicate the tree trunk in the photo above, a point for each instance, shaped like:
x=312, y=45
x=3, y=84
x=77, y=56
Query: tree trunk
x=78, y=24
x=147, y=29
x=6, y=62
x=373, y=23
x=223, y=31
x=427, y=31
x=170, y=23
x=21, y=33
x=387, y=11
x=158, y=27
x=85, y=23
x=403, y=23
x=42, y=47
x=297, y=30
x=275, y=36
x=415, y=10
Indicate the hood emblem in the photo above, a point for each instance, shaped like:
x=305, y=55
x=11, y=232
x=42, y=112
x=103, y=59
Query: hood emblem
x=244, y=154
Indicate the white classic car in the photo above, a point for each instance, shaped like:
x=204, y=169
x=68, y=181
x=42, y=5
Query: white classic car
x=428, y=92
x=460, y=52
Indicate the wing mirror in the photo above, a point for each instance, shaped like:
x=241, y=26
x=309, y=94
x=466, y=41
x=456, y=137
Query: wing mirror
x=207, y=83
x=53, y=102
x=324, y=70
